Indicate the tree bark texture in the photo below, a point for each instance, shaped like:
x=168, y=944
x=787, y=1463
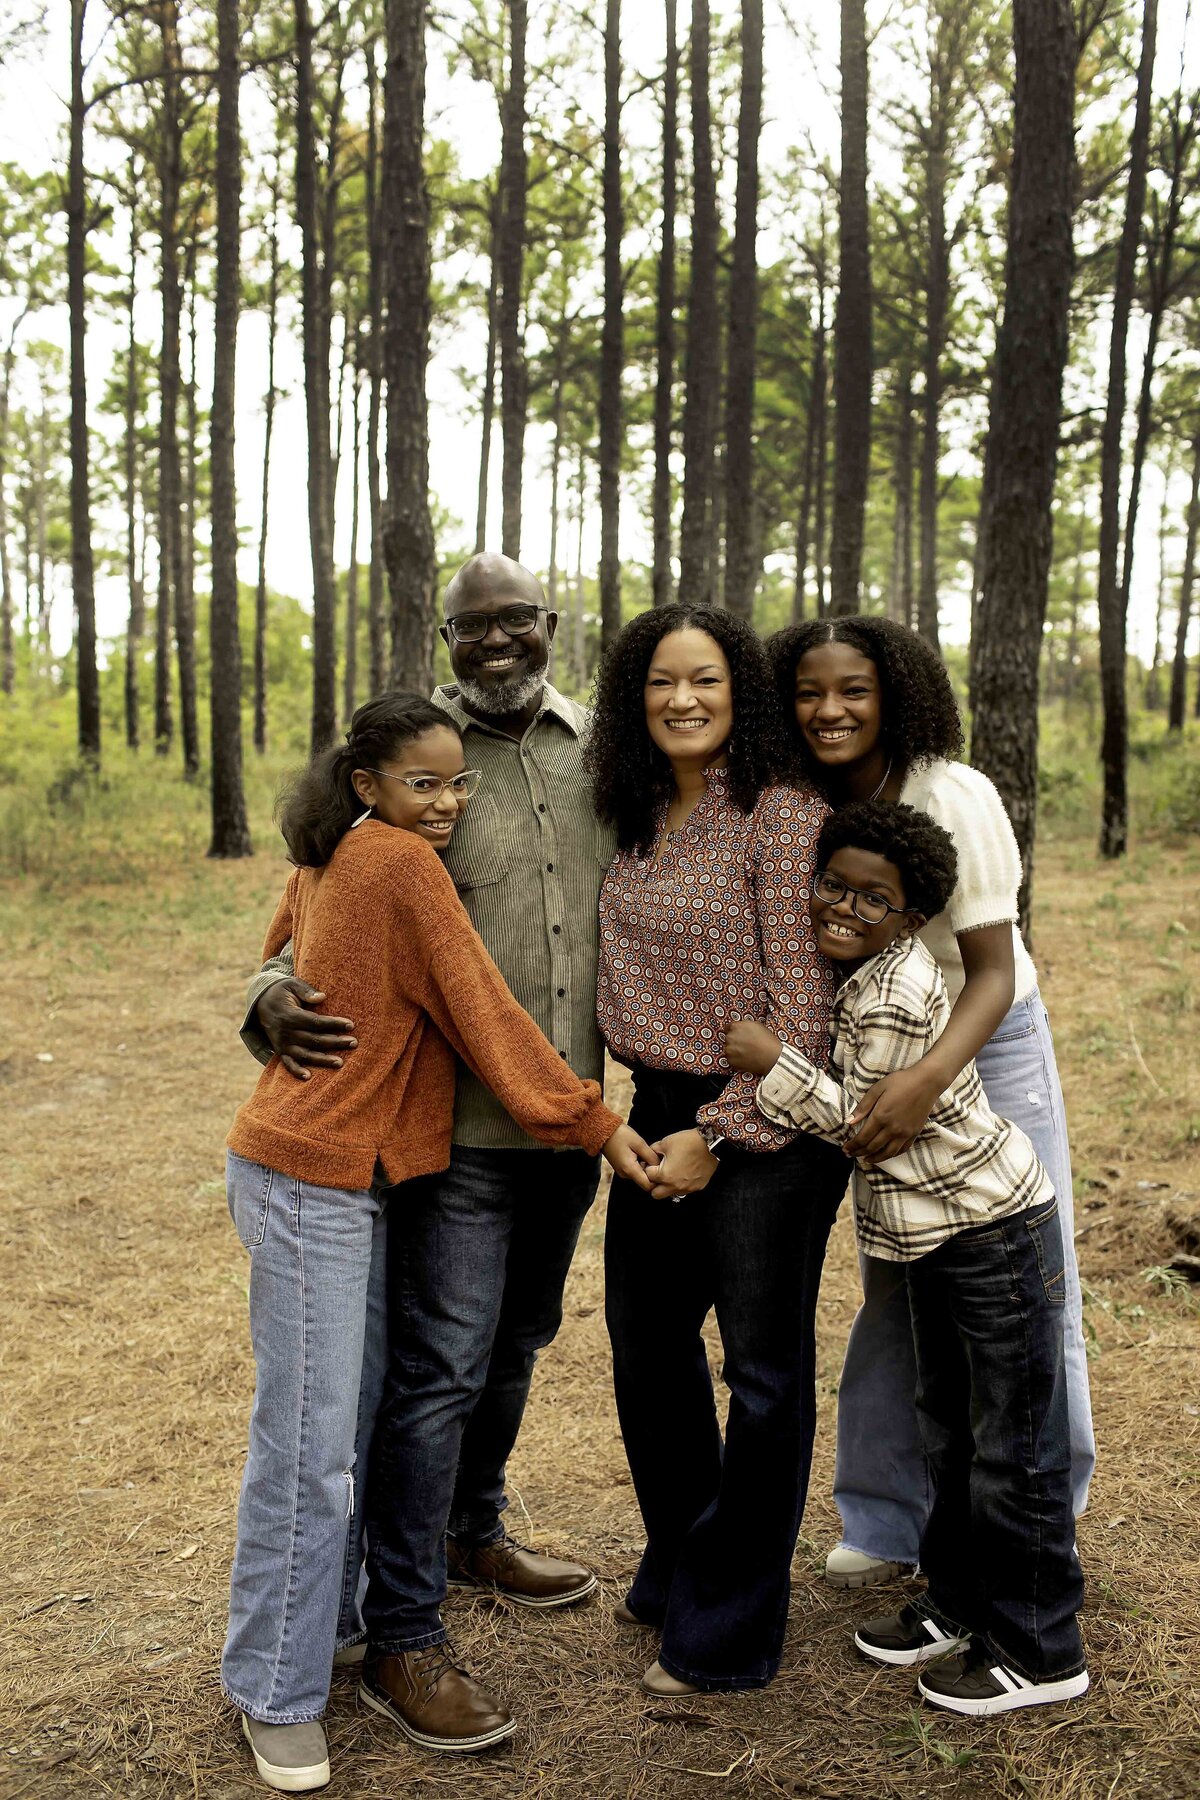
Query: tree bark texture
x=702, y=361
x=1026, y=407
x=900, y=593
x=1177, y=705
x=350, y=661
x=612, y=338
x=514, y=377
x=937, y=298
x=1114, y=743
x=133, y=574
x=82, y=575
x=376, y=619
x=260, y=591
x=852, y=323
x=408, y=529
x=230, y=828
x=184, y=572
x=741, y=534
x=316, y=394
x=663, y=580
x=488, y=398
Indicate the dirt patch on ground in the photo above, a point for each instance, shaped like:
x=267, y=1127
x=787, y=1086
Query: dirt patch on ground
x=127, y=1379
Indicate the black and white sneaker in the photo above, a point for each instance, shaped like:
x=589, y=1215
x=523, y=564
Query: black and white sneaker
x=913, y=1635
x=978, y=1684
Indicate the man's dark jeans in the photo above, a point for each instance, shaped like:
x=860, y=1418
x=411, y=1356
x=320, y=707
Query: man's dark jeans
x=721, y=1522
x=998, y=1550
x=477, y=1259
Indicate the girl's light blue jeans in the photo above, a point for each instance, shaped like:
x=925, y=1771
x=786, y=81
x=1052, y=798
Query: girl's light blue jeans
x=316, y=1299
x=881, y=1481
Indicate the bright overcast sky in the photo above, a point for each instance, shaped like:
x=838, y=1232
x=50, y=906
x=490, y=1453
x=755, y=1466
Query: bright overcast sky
x=801, y=88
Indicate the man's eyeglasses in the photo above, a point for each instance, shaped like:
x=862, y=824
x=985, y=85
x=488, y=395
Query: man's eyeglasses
x=871, y=908
x=514, y=621
x=432, y=787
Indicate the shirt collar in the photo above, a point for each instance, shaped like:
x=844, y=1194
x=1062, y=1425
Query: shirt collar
x=557, y=705
x=875, y=966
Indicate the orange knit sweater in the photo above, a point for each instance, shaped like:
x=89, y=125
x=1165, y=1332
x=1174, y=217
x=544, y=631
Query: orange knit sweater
x=381, y=931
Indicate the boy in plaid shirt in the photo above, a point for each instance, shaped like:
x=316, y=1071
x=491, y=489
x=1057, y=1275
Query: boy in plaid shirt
x=967, y=1218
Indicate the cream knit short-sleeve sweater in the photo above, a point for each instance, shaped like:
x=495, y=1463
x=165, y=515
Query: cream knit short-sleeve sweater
x=964, y=803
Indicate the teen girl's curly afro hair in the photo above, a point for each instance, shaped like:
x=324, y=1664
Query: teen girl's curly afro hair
x=319, y=805
x=919, y=713
x=919, y=847
x=631, y=778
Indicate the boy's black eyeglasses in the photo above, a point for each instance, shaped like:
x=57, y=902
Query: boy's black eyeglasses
x=514, y=621
x=871, y=908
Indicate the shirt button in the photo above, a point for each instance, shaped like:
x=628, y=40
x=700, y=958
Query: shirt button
x=541, y=808
x=557, y=930
x=561, y=992
x=563, y=1054
x=549, y=868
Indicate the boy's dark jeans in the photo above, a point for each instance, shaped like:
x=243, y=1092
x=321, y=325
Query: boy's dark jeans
x=721, y=1524
x=998, y=1551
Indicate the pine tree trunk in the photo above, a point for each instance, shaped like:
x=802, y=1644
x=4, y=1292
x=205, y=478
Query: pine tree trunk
x=350, y=665
x=514, y=378
x=804, y=505
x=900, y=591
x=852, y=323
x=82, y=577
x=137, y=594
x=488, y=397
x=741, y=534
x=260, y=591
x=702, y=360
x=821, y=457
x=612, y=339
x=1114, y=745
x=316, y=396
x=169, y=521
x=1177, y=706
x=376, y=620
x=8, y=667
x=408, y=530
x=579, y=641
x=556, y=447
x=1026, y=407
x=663, y=580
x=185, y=570
x=1153, y=695
x=230, y=830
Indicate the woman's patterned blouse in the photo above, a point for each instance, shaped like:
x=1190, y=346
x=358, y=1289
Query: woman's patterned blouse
x=717, y=929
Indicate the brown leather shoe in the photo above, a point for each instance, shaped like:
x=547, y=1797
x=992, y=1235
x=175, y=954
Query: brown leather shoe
x=433, y=1701
x=525, y=1576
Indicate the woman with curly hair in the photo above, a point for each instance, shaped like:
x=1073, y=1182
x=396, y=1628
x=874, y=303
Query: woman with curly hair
x=704, y=919
x=874, y=717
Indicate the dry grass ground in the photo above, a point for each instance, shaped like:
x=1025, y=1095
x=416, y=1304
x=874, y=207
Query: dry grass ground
x=126, y=1382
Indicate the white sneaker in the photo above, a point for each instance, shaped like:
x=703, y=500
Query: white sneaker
x=350, y=1655
x=854, y=1569
x=977, y=1684
x=292, y=1759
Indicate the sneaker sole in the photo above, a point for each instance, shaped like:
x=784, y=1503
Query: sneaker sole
x=1044, y=1694
x=906, y=1659
x=452, y=1746
x=537, y=1604
x=288, y=1781
x=866, y=1577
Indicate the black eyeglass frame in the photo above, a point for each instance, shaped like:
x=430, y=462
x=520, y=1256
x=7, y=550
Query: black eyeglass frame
x=496, y=618
x=857, y=894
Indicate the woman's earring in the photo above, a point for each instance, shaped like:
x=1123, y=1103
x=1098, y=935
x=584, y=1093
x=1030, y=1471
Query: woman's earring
x=362, y=816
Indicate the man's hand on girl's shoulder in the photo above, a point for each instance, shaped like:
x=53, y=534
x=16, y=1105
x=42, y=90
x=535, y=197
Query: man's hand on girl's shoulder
x=302, y=1038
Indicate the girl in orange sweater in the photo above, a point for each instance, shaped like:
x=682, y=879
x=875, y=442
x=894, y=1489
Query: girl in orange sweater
x=376, y=925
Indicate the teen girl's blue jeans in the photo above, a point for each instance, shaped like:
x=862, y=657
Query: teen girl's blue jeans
x=721, y=1519
x=881, y=1484
x=316, y=1295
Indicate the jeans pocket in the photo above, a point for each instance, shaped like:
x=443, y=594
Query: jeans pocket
x=1045, y=1234
x=248, y=1186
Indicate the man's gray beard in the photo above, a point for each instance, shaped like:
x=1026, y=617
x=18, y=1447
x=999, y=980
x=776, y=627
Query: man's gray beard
x=505, y=697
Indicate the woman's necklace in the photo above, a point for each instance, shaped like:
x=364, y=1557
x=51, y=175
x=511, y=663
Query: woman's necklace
x=875, y=792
